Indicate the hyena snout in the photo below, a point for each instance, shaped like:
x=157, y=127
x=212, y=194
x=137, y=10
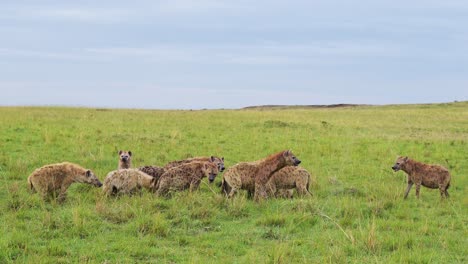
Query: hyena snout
x=297, y=162
x=211, y=177
x=395, y=167
x=98, y=184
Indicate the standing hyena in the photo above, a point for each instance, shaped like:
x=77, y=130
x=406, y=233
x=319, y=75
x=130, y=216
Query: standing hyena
x=127, y=181
x=430, y=176
x=289, y=177
x=125, y=159
x=186, y=176
x=55, y=179
x=218, y=161
x=253, y=176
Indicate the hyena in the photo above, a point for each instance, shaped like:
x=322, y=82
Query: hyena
x=430, y=176
x=54, y=179
x=186, y=176
x=125, y=159
x=253, y=176
x=128, y=181
x=290, y=177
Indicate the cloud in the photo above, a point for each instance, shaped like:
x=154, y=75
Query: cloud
x=48, y=55
x=109, y=11
x=76, y=14
x=190, y=6
x=254, y=54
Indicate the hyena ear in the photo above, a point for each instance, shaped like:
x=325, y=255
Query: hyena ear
x=222, y=158
x=130, y=153
x=287, y=153
x=406, y=158
x=212, y=158
x=120, y=152
x=88, y=173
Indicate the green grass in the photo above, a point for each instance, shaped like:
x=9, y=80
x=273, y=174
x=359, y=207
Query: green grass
x=357, y=213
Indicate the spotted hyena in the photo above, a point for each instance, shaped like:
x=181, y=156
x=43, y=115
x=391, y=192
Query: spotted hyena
x=186, y=176
x=219, y=162
x=253, y=176
x=290, y=177
x=154, y=171
x=125, y=159
x=430, y=176
x=54, y=179
x=127, y=181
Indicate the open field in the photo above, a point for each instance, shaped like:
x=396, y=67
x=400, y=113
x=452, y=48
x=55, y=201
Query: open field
x=357, y=213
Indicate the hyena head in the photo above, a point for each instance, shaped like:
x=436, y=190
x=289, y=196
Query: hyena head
x=125, y=157
x=90, y=178
x=219, y=162
x=210, y=170
x=399, y=163
x=290, y=158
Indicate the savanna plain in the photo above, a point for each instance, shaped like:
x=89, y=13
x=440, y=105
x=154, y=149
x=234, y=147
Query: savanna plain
x=357, y=213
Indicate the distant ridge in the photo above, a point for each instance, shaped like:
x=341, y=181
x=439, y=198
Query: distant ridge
x=462, y=103
x=303, y=106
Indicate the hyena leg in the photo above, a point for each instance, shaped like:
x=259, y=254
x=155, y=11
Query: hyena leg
x=163, y=189
x=302, y=190
x=45, y=196
x=232, y=192
x=194, y=186
x=408, y=188
x=442, y=190
x=231, y=186
x=285, y=193
x=62, y=195
x=271, y=190
x=418, y=187
x=260, y=192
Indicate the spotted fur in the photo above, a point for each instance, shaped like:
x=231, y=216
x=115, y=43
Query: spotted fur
x=253, y=176
x=430, y=176
x=219, y=162
x=290, y=177
x=55, y=179
x=127, y=181
x=125, y=159
x=186, y=176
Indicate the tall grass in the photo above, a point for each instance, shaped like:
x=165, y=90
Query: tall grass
x=357, y=212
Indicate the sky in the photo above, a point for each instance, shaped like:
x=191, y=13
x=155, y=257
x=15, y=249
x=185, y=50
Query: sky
x=181, y=54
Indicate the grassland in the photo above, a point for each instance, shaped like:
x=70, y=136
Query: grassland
x=357, y=213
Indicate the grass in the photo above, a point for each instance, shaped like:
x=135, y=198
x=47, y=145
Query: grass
x=357, y=213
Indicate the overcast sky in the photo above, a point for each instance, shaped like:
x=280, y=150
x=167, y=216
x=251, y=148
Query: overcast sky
x=229, y=54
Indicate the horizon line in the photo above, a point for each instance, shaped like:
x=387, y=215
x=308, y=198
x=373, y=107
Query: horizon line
x=312, y=106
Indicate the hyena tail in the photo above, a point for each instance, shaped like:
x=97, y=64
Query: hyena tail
x=30, y=185
x=308, y=184
x=225, y=188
